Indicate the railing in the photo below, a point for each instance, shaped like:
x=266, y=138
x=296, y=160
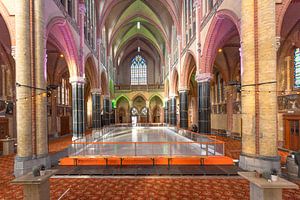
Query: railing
x=155, y=149
x=97, y=144
x=139, y=87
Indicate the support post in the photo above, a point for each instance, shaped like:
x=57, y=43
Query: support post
x=173, y=120
x=204, y=120
x=78, y=106
x=183, y=104
x=106, y=109
x=96, y=107
x=259, y=101
x=166, y=112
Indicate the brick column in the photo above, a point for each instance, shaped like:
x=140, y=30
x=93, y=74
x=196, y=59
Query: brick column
x=77, y=106
x=183, y=104
x=173, y=120
x=204, y=107
x=40, y=79
x=23, y=76
x=31, y=118
x=96, y=108
x=259, y=106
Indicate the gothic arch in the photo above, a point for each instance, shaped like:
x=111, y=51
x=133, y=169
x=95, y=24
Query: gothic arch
x=217, y=36
x=59, y=28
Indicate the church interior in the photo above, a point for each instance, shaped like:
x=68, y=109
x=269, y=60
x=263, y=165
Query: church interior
x=155, y=99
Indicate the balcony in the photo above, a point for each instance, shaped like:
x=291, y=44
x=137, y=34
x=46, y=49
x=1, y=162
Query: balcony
x=154, y=87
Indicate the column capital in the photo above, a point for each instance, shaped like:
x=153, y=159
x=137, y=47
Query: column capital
x=183, y=89
x=13, y=51
x=203, y=77
x=82, y=8
x=96, y=91
x=106, y=97
x=77, y=79
x=278, y=42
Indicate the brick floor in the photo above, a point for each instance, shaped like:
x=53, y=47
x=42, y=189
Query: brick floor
x=209, y=188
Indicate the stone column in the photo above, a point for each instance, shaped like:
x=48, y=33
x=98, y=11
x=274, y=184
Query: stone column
x=166, y=112
x=106, y=106
x=204, y=108
x=112, y=112
x=183, y=104
x=78, y=106
x=23, y=76
x=173, y=120
x=41, y=100
x=259, y=106
x=96, y=107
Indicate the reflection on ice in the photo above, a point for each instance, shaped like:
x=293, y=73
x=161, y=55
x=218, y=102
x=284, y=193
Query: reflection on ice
x=153, y=141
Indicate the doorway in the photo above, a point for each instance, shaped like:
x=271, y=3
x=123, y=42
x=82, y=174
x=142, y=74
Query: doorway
x=292, y=137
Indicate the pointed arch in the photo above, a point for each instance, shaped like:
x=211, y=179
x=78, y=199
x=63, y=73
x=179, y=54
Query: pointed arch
x=120, y=97
x=218, y=33
x=59, y=29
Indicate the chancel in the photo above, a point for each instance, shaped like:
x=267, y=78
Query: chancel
x=155, y=99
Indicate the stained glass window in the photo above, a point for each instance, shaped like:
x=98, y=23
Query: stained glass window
x=138, y=71
x=297, y=68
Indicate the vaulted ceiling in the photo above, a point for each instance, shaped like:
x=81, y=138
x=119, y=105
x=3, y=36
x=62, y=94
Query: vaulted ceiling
x=119, y=18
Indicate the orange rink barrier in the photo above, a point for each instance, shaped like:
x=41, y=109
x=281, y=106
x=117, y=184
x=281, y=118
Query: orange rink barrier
x=88, y=161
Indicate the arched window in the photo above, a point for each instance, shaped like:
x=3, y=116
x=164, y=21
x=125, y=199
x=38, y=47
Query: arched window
x=297, y=68
x=138, y=71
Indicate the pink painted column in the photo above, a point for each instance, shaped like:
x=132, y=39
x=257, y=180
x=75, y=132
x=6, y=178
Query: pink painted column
x=198, y=33
x=82, y=11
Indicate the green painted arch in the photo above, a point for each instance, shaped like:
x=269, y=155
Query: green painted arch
x=139, y=5
x=122, y=96
x=156, y=95
x=132, y=32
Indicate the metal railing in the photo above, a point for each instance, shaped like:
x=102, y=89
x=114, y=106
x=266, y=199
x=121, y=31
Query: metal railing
x=99, y=144
x=155, y=149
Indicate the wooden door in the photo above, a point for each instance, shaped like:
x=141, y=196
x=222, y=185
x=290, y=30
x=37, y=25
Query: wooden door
x=3, y=130
x=65, y=125
x=292, y=133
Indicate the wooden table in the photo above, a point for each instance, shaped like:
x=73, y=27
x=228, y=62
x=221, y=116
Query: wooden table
x=35, y=187
x=261, y=189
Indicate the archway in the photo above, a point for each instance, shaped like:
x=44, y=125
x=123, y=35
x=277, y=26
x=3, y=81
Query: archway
x=223, y=62
x=174, y=99
x=90, y=85
x=188, y=92
x=123, y=110
x=59, y=99
x=287, y=78
x=139, y=102
x=7, y=83
x=156, y=110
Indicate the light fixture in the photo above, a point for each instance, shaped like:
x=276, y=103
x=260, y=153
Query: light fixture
x=138, y=25
x=139, y=49
x=61, y=55
x=220, y=50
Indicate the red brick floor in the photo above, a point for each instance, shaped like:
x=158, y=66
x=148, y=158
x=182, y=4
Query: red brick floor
x=209, y=188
